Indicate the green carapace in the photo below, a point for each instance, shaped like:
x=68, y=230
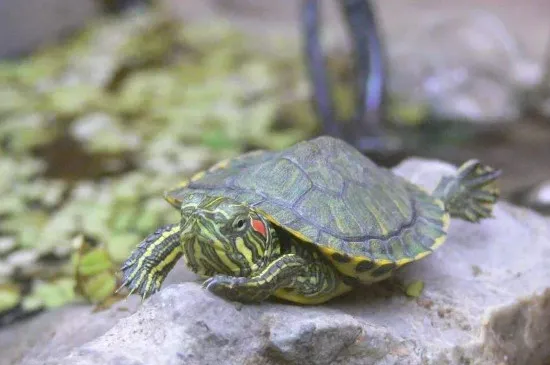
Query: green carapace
x=305, y=224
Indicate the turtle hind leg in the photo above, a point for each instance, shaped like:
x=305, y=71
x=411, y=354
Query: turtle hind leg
x=470, y=194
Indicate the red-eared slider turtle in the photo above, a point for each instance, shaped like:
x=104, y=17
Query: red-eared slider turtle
x=304, y=224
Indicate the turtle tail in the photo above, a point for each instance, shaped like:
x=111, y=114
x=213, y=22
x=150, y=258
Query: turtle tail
x=470, y=194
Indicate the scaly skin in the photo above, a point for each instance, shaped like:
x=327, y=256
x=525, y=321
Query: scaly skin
x=243, y=256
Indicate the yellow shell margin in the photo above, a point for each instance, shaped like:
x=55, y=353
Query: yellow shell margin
x=348, y=268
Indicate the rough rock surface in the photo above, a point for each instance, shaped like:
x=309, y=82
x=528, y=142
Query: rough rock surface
x=53, y=334
x=536, y=197
x=481, y=61
x=486, y=301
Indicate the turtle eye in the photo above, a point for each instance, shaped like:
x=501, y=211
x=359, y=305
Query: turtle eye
x=239, y=223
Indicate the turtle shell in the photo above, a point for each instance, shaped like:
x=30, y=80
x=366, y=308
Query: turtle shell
x=366, y=220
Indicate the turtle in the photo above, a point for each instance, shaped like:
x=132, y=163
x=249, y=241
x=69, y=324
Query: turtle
x=305, y=224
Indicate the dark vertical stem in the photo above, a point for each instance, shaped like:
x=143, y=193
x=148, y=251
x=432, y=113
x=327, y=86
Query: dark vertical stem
x=369, y=64
x=120, y=6
x=364, y=130
x=322, y=96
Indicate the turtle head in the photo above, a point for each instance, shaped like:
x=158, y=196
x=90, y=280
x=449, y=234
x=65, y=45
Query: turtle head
x=216, y=235
x=222, y=236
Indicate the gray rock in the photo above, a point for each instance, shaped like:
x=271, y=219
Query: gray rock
x=467, y=61
x=308, y=338
x=541, y=194
x=486, y=301
x=27, y=25
x=53, y=334
x=536, y=197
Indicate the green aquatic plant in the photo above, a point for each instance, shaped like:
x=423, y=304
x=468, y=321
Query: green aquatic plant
x=94, y=129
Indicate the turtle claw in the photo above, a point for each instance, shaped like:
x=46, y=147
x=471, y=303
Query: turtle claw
x=222, y=286
x=236, y=289
x=477, y=175
x=208, y=284
x=215, y=283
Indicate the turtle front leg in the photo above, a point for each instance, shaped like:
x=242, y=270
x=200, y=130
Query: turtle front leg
x=281, y=272
x=290, y=277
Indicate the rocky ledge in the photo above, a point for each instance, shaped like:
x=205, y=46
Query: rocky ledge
x=486, y=300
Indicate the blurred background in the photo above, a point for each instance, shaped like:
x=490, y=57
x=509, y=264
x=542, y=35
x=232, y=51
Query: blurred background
x=104, y=104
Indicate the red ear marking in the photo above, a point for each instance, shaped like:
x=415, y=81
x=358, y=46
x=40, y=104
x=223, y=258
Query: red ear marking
x=259, y=226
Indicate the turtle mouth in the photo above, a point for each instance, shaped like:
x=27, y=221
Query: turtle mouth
x=206, y=257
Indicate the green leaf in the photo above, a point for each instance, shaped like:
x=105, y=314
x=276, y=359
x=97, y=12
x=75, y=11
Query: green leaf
x=99, y=287
x=94, y=262
x=73, y=100
x=31, y=303
x=13, y=100
x=10, y=295
x=56, y=293
x=121, y=245
x=217, y=140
